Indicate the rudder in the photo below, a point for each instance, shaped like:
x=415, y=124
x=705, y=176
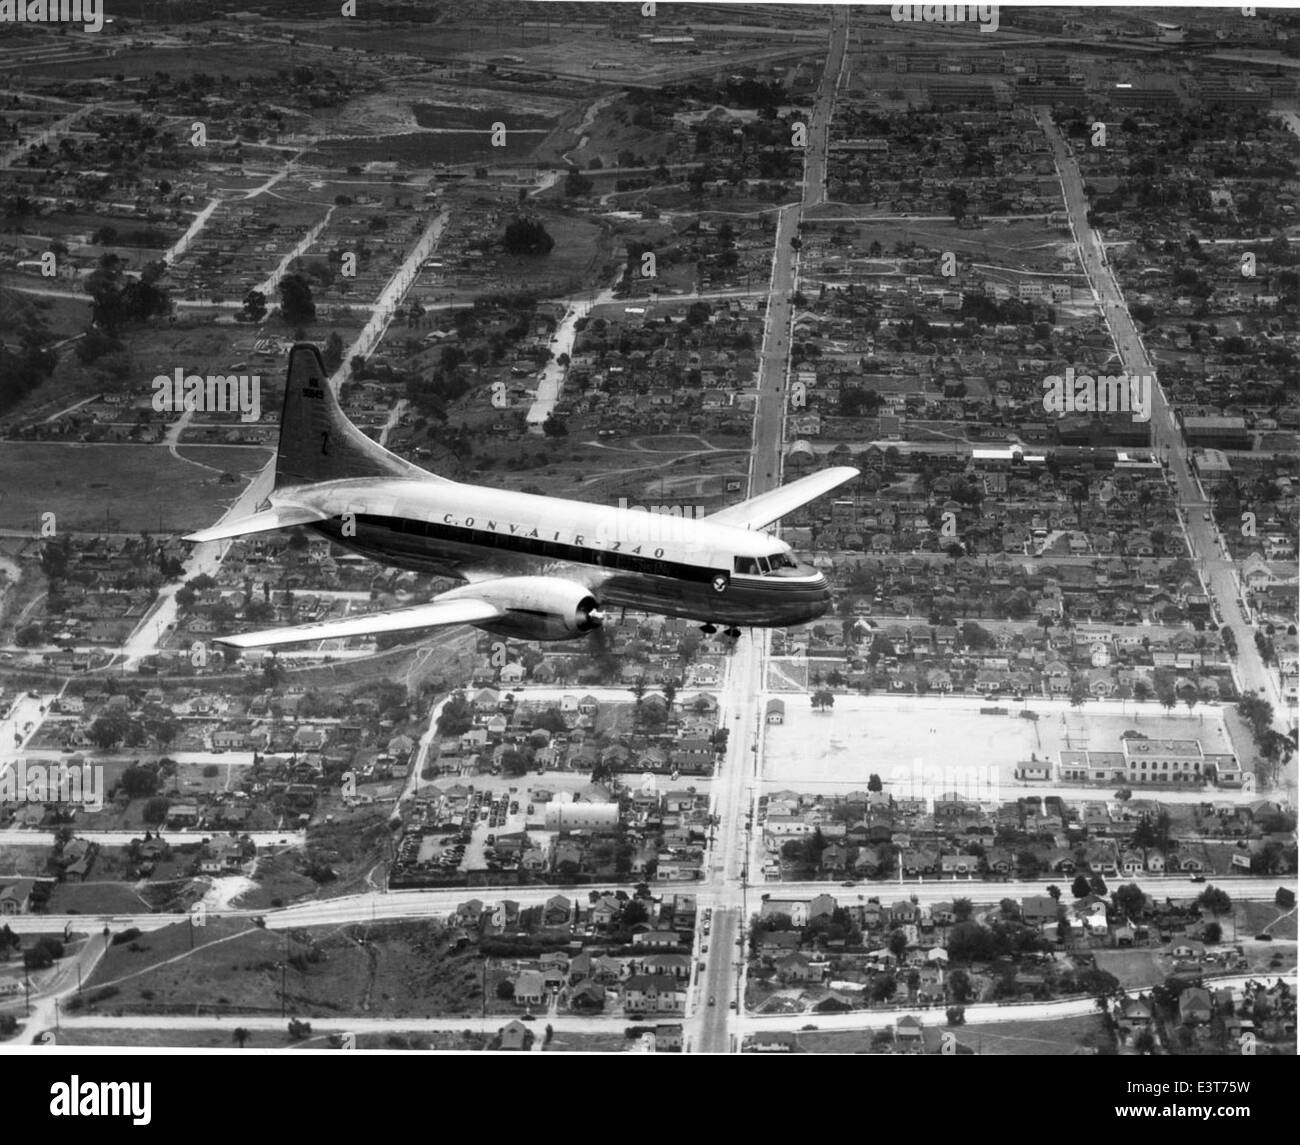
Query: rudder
x=317, y=442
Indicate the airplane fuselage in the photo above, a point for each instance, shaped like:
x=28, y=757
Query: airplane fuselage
x=649, y=562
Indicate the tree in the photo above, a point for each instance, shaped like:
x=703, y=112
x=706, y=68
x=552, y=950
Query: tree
x=109, y=730
x=956, y=1015
x=155, y=811
x=240, y=1036
x=1129, y=901
x=254, y=306
x=506, y=990
x=970, y=942
x=1212, y=933
x=884, y=988
x=1285, y=898
x=1080, y=887
x=138, y=781
x=1145, y=1042
x=296, y=305
x=1214, y=900
x=669, y=689
x=527, y=237
x=962, y=909
x=874, y=783
x=897, y=943
x=1055, y=892
x=333, y=351
x=1097, y=885
x=960, y=987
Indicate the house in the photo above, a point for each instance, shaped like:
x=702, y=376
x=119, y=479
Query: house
x=530, y=988
x=16, y=895
x=775, y=711
x=797, y=967
x=1194, y=1007
x=908, y=1035
x=654, y=994
x=588, y=996
x=515, y=1035
x=773, y=1043
x=668, y=1038
x=1133, y=1015
x=657, y=938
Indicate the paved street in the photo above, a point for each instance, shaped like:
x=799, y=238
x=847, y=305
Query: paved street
x=1207, y=549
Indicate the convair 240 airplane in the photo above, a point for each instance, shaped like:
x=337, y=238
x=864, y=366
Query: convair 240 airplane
x=537, y=568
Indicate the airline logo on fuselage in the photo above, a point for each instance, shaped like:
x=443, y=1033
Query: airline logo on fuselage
x=579, y=540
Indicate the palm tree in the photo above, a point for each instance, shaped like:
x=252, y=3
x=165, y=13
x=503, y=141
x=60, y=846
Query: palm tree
x=637, y=688
x=669, y=689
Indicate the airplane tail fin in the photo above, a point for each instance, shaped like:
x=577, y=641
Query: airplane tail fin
x=317, y=442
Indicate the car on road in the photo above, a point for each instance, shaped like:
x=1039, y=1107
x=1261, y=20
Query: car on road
x=1263, y=938
x=1198, y=878
x=848, y=883
x=1206, y=517
x=704, y=948
x=733, y=1003
x=712, y=1000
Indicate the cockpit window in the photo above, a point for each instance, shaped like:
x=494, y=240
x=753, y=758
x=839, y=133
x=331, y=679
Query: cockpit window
x=783, y=561
x=746, y=566
x=763, y=566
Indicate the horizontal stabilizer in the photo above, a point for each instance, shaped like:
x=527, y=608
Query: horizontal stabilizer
x=268, y=521
x=435, y=614
x=759, y=512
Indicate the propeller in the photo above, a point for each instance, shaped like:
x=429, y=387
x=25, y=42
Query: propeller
x=590, y=615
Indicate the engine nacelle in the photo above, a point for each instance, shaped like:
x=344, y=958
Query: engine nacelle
x=536, y=607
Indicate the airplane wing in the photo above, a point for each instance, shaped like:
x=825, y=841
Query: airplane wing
x=281, y=517
x=759, y=512
x=435, y=614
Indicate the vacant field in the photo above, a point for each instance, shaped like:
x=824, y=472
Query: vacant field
x=1053, y=1038
x=931, y=743
x=388, y=970
x=1261, y=917
x=96, y=898
x=611, y=1043
x=1057, y=1037
x=1135, y=969
x=128, y=488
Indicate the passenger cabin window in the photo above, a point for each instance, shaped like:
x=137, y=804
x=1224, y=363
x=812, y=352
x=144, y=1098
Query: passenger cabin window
x=746, y=566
